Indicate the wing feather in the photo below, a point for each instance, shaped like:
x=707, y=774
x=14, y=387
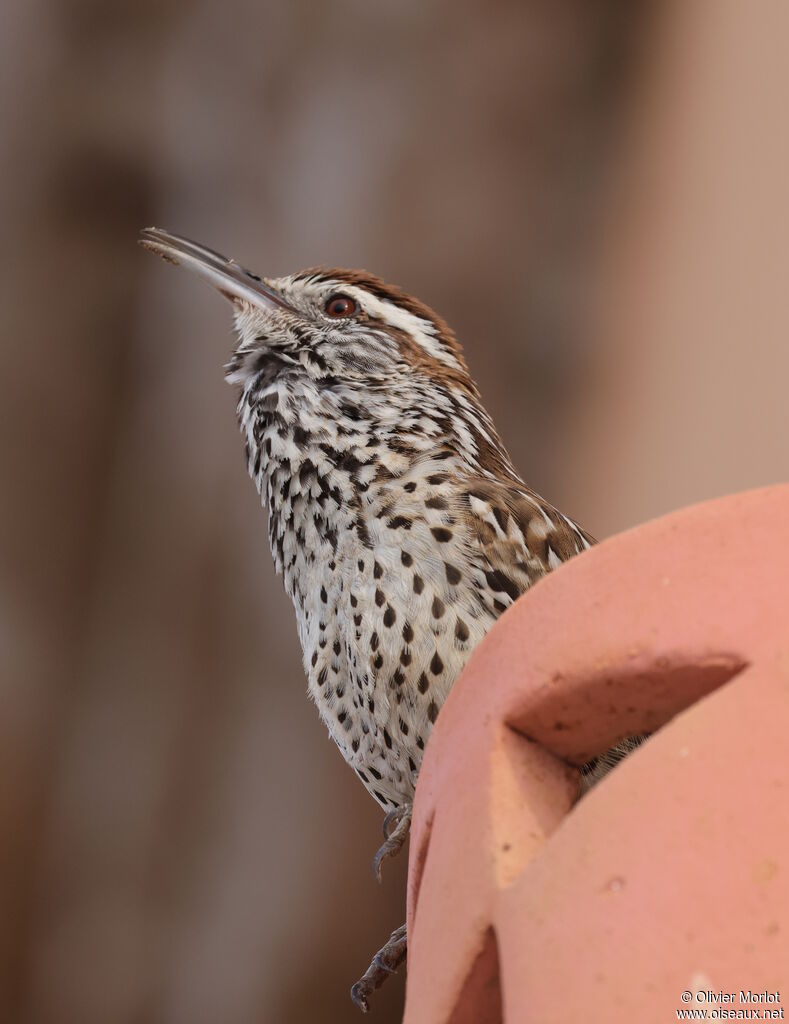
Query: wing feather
x=517, y=537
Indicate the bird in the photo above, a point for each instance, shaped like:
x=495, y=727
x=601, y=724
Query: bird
x=396, y=517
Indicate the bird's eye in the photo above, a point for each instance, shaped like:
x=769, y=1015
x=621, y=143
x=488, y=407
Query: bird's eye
x=338, y=306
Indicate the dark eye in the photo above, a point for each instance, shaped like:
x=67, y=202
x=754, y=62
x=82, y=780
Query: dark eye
x=339, y=306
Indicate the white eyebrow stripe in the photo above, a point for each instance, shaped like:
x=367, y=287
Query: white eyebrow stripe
x=421, y=331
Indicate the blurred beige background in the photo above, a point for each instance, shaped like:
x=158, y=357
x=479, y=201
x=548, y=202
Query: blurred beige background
x=593, y=193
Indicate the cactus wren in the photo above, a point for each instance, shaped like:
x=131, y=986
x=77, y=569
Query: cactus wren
x=395, y=514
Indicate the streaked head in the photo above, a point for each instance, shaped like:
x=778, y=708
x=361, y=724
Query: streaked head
x=341, y=325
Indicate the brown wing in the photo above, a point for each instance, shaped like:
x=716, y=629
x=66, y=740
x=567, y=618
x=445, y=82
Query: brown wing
x=516, y=537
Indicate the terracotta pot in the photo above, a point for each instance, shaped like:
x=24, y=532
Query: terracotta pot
x=672, y=875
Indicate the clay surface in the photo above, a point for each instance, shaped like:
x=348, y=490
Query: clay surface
x=672, y=875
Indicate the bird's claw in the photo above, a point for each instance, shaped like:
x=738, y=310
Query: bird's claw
x=393, y=817
x=385, y=962
x=394, y=841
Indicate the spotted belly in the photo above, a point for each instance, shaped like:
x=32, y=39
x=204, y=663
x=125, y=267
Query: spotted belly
x=386, y=642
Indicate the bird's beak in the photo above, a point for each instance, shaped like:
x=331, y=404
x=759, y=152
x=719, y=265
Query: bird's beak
x=229, y=277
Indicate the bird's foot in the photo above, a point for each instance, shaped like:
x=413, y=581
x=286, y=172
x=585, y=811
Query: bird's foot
x=385, y=962
x=394, y=840
x=396, y=827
